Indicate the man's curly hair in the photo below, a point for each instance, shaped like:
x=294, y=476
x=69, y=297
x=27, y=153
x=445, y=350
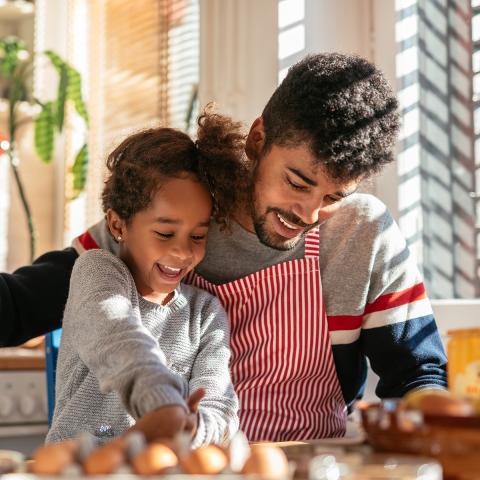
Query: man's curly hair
x=144, y=161
x=342, y=107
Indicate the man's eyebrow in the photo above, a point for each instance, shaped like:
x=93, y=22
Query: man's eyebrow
x=172, y=221
x=311, y=182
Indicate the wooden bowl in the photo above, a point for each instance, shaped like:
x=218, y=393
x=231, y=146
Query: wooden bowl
x=454, y=442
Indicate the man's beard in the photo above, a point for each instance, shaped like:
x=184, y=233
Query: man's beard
x=271, y=240
x=274, y=240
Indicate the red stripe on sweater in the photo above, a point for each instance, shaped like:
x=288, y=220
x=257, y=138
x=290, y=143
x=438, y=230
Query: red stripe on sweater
x=389, y=300
x=344, y=322
x=397, y=299
x=87, y=241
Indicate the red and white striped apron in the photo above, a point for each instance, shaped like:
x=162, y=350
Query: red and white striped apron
x=282, y=364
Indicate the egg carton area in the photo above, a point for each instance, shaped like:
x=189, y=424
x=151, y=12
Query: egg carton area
x=130, y=476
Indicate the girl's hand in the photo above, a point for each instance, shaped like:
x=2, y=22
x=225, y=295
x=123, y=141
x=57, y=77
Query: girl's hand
x=164, y=422
x=192, y=418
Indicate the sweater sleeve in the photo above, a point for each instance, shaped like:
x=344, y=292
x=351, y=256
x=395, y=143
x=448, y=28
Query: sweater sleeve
x=33, y=297
x=106, y=328
x=218, y=419
x=399, y=334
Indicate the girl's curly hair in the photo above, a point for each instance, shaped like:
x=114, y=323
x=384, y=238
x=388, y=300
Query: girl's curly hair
x=342, y=107
x=145, y=160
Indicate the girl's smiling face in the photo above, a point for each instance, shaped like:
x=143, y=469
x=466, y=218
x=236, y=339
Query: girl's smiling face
x=165, y=241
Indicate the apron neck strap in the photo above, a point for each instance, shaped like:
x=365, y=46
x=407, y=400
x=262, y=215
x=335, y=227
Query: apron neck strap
x=312, y=243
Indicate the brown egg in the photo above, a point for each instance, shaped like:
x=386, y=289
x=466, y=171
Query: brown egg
x=105, y=459
x=445, y=406
x=266, y=461
x=154, y=459
x=52, y=459
x=208, y=460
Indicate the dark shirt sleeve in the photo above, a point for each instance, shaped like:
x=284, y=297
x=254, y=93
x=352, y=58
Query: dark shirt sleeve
x=32, y=298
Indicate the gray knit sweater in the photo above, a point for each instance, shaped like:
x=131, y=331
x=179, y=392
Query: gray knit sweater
x=122, y=356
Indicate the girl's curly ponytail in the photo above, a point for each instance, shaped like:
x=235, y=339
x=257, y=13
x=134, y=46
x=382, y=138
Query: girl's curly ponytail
x=221, y=161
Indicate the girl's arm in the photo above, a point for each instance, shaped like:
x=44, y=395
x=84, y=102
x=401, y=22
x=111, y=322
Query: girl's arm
x=103, y=323
x=217, y=412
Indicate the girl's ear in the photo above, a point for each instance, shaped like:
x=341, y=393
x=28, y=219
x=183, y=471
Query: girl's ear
x=115, y=224
x=255, y=139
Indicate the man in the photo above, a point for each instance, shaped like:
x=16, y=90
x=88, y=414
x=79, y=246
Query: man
x=315, y=277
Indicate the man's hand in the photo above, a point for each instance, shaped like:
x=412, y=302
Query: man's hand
x=164, y=422
x=192, y=403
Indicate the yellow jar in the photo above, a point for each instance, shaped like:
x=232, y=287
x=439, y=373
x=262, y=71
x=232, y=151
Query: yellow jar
x=463, y=351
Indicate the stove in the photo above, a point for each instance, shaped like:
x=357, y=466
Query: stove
x=23, y=399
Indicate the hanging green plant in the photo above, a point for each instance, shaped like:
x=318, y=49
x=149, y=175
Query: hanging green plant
x=44, y=131
x=79, y=170
x=49, y=123
x=51, y=119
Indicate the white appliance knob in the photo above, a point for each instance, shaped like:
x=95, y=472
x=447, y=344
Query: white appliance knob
x=28, y=404
x=6, y=405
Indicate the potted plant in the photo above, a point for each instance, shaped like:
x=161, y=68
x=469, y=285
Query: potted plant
x=15, y=71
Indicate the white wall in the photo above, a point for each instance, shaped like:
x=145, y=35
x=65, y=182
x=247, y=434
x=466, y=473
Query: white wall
x=238, y=55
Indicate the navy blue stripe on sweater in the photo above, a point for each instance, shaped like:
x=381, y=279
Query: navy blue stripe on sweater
x=405, y=355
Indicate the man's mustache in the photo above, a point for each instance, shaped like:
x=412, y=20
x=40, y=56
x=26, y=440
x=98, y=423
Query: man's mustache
x=292, y=218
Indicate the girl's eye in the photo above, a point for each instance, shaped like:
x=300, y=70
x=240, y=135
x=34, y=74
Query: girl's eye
x=164, y=235
x=198, y=238
x=295, y=186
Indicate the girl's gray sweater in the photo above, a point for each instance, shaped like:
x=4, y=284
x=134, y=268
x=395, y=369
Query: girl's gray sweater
x=122, y=356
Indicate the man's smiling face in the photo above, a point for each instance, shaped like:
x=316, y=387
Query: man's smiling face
x=292, y=194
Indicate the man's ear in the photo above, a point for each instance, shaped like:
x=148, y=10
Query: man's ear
x=115, y=224
x=255, y=139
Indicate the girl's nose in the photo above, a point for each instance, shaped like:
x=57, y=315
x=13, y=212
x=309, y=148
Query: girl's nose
x=182, y=251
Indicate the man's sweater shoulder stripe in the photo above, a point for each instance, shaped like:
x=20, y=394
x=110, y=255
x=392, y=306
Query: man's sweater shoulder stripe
x=391, y=308
x=402, y=313
x=84, y=242
x=397, y=299
x=385, y=302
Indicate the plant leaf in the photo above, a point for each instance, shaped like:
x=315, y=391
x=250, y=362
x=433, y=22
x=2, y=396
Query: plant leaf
x=44, y=132
x=61, y=97
x=79, y=169
x=74, y=92
x=73, y=83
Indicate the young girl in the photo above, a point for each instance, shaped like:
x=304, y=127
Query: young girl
x=136, y=342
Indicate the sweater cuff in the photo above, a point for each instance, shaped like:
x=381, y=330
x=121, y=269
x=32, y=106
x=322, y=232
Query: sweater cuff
x=160, y=396
x=200, y=436
x=428, y=386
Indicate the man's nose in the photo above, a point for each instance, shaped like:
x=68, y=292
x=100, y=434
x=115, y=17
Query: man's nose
x=308, y=212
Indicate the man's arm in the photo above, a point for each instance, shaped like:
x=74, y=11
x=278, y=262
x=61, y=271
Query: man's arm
x=32, y=298
x=399, y=334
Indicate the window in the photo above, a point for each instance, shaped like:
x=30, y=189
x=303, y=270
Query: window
x=436, y=160
x=141, y=70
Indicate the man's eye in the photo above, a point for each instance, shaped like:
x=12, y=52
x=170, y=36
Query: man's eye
x=295, y=186
x=333, y=199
